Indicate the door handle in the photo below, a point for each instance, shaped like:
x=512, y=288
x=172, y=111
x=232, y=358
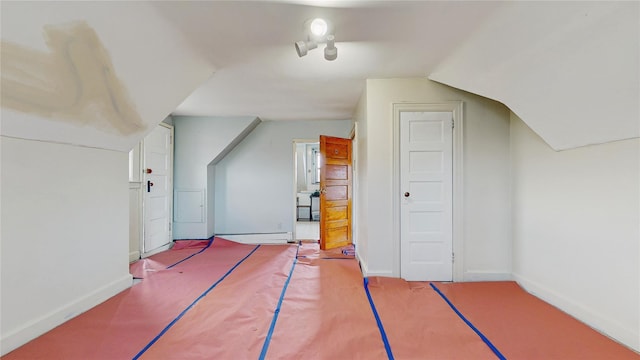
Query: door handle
x=406, y=194
x=149, y=185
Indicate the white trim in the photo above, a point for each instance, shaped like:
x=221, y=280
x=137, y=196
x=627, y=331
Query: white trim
x=385, y=273
x=41, y=325
x=294, y=144
x=354, y=184
x=487, y=276
x=137, y=186
x=275, y=238
x=157, y=250
x=617, y=332
x=363, y=265
x=134, y=256
x=456, y=108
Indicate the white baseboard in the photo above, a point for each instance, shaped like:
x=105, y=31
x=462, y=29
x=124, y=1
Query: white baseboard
x=34, y=328
x=589, y=316
x=134, y=256
x=363, y=265
x=275, y=238
x=368, y=273
x=158, y=250
x=486, y=276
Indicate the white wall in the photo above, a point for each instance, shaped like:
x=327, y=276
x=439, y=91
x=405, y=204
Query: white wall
x=144, y=59
x=301, y=176
x=254, y=183
x=198, y=141
x=487, y=245
x=559, y=65
x=64, y=237
x=361, y=188
x=576, y=229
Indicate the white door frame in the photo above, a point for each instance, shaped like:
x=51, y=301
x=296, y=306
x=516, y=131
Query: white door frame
x=295, y=182
x=143, y=251
x=456, y=108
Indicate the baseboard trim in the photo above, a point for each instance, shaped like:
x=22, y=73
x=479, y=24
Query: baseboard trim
x=18, y=337
x=486, y=276
x=158, y=250
x=590, y=317
x=379, y=273
x=274, y=238
x=134, y=256
x=363, y=265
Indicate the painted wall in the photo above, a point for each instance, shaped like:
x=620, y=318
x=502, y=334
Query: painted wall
x=576, y=229
x=198, y=142
x=301, y=174
x=254, y=183
x=361, y=180
x=559, y=65
x=116, y=91
x=64, y=237
x=487, y=245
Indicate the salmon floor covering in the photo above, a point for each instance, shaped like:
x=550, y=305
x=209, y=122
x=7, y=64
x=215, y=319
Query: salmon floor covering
x=222, y=300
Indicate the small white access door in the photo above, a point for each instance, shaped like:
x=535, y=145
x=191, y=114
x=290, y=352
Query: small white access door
x=426, y=174
x=157, y=149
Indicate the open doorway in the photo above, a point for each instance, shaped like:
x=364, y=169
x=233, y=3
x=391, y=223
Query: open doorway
x=306, y=188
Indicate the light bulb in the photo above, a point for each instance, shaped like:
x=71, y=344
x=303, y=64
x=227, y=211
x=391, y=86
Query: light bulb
x=318, y=27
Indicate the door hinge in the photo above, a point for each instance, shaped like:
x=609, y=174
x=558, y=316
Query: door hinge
x=453, y=123
x=453, y=257
x=169, y=226
x=170, y=139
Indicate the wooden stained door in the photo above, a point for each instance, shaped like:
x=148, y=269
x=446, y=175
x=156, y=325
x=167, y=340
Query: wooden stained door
x=335, y=192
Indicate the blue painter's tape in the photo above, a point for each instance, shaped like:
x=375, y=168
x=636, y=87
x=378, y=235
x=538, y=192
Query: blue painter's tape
x=192, y=255
x=484, y=338
x=383, y=334
x=267, y=340
x=192, y=304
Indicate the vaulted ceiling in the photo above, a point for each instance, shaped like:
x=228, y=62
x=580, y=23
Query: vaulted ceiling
x=570, y=70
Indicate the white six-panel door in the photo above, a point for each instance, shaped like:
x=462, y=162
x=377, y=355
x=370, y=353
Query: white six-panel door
x=426, y=170
x=157, y=189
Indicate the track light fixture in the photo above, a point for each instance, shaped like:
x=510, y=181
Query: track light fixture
x=318, y=31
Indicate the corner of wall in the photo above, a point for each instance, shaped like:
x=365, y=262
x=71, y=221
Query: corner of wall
x=591, y=317
x=39, y=326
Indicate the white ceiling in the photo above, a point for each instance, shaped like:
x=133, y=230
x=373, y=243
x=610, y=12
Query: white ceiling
x=259, y=73
x=570, y=70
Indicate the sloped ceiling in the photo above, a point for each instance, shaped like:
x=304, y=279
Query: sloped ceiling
x=260, y=74
x=570, y=70
x=98, y=74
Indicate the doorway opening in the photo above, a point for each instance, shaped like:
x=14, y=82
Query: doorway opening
x=306, y=189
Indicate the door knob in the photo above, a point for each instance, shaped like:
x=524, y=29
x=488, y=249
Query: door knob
x=148, y=171
x=406, y=194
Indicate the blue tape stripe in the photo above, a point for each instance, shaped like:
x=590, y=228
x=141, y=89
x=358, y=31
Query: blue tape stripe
x=192, y=304
x=484, y=338
x=383, y=334
x=267, y=340
x=192, y=255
